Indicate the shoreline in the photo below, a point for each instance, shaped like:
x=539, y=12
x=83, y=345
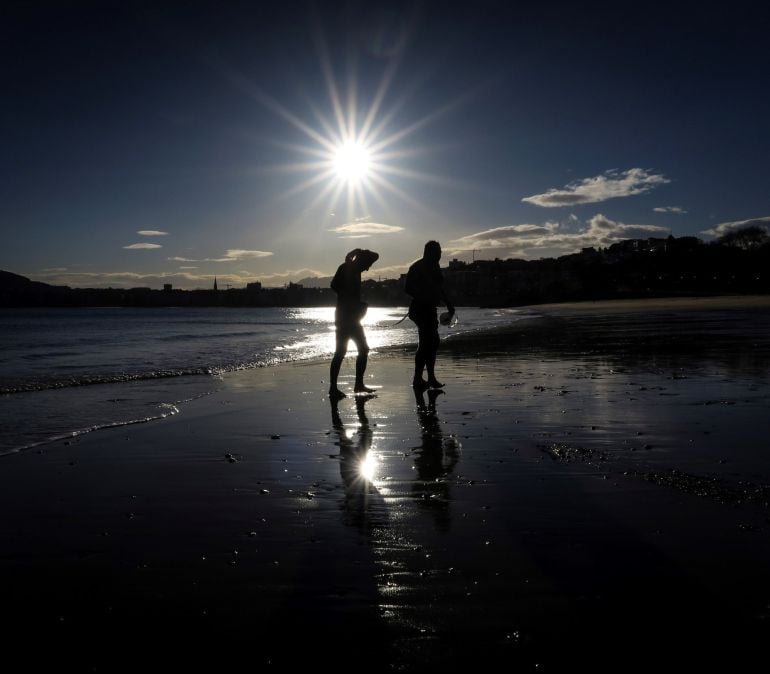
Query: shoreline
x=539, y=328
x=568, y=500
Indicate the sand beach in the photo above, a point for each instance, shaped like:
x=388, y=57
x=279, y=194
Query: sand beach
x=590, y=490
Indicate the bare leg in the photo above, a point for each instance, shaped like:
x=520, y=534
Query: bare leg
x=432, y=381
x=334, y=370
x=361, y=360
x=420, y=360
x=430, y=362
x=419, y=366
x=360, y=369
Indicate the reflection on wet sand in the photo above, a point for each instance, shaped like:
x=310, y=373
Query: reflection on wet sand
x=387, y=494
x=435, y=459
x=363, y=507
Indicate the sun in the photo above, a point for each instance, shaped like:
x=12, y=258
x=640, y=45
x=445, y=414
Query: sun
x=351, y=162
x=354, y=153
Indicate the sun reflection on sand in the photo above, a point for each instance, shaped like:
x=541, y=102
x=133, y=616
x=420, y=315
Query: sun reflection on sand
x=368, y=467
x=389, y=488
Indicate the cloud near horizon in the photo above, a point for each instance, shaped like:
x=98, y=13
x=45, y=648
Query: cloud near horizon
x=231, y=255
x=362, y=229
x=143, y=246
x=239, y=254
x=151, y=232
x=391, y=271
x=290, y=275
x=724, y=227
x=609, y=185
x=552, y=238
x=179, y=279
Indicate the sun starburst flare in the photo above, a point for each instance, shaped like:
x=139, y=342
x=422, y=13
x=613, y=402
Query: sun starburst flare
x=355, y=150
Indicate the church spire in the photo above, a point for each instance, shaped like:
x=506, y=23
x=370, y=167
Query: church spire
x=215, y=283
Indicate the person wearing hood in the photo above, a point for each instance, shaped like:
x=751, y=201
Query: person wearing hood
x=425, y=283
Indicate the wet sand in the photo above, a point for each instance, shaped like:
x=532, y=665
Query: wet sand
x=591, y=490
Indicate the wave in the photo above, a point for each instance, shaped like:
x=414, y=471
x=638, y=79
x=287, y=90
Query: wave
x=209, y=336
x=82, y=431
x=169, y=410
x=95, y=379
x=30, y=386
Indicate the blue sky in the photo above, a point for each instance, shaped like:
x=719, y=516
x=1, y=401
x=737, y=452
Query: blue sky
x=145, y=144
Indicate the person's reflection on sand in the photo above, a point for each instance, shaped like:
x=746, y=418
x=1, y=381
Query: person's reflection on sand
x=364, y=507
x=434, y=460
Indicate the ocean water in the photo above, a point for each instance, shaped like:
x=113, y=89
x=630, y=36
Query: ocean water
x=64, y=372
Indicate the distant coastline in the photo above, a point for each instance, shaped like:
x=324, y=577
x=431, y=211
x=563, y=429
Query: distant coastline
x=635, y=268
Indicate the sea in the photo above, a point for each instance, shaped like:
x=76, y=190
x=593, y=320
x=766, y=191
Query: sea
x=65, y=372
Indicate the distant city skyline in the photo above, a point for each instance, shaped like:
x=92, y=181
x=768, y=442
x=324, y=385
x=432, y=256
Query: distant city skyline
x=146, y=144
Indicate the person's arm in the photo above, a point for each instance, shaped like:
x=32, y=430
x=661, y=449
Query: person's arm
x=450, y=307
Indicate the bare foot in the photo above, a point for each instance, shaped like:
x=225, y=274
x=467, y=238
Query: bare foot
x=336, y=394
x=360, y=388
x=435, y=383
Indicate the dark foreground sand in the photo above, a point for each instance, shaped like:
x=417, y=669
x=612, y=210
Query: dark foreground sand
x=592, y=490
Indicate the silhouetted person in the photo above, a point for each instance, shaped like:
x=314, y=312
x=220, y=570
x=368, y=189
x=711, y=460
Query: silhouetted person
x=425, y=283
x=347, y=317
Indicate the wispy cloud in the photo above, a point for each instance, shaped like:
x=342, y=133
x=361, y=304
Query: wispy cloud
x=361, y=229
x=239, y=254
x=725, y=227
x=391, y=271
x=670, y=209
x=232, y=255
x=552, y=238
x=292, y=275
x=609, y=185
x=143, y=246
x=151, y=232
x=503, y=237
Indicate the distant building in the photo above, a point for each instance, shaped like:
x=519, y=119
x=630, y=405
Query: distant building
x=167, y=287
x=256, y=285
x=215, y=283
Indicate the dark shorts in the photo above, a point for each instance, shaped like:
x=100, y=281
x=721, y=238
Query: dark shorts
x=424, y=315
x=426, y=319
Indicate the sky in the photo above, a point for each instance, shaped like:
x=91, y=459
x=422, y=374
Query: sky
x=150, y=143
